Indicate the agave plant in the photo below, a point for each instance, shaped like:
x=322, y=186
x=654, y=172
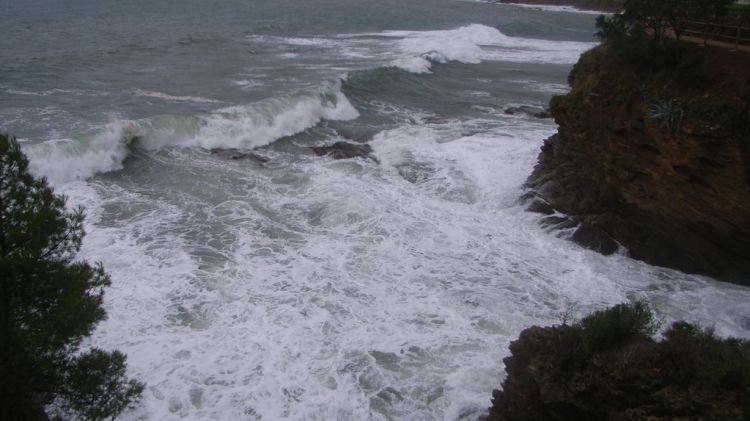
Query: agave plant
x=666, y=112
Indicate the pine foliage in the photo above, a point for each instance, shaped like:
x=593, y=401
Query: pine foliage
x=49, y=302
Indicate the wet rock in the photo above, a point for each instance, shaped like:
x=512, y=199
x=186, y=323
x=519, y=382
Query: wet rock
x=239, y=154
x=345, y=150
x=540, y=206
x=538, y=112
x=594, y=238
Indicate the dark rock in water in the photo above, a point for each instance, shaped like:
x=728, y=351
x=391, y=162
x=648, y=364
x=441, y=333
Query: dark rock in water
x=608, y=367
x=540, y=206
x=538, y=112
x=345, y=150
x=238, y=154
x=594, y=238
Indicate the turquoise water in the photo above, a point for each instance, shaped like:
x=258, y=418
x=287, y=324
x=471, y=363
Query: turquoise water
x=304, y=287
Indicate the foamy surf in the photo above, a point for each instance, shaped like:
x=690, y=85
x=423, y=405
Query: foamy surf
x=244, y=127
x=475, y=43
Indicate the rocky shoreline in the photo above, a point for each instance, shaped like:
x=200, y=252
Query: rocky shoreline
x=657, y=166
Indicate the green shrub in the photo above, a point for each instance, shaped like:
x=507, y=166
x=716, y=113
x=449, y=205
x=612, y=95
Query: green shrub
x=613, y=328
x=608, y=366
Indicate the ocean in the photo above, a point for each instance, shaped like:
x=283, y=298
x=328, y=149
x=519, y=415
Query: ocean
x=285, y=285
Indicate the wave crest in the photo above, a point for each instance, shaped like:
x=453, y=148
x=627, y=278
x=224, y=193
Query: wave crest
x=247, y=127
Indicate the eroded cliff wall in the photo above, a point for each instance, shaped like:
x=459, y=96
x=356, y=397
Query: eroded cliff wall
x=653, y=154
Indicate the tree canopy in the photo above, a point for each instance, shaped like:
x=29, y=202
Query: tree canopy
x=665, y=18
x=49, y=302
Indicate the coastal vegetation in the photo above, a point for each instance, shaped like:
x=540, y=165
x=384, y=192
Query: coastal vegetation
x=50, y=302
x=608, y=366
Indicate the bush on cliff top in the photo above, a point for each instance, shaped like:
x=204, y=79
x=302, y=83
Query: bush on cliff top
x=608, y=367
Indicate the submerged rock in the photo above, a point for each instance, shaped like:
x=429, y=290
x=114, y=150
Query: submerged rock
x=538, y=112
x=239, y=154
x=608, y=367
x=345, y=150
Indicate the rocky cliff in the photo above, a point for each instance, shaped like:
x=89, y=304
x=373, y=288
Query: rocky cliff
x=653, y=155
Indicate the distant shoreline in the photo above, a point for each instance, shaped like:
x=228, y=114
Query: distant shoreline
x=597, y=5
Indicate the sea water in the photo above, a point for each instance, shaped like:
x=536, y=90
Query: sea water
x=306, y=288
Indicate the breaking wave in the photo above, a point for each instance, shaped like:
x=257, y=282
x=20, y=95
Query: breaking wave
x=475, y=43
x=247, y=127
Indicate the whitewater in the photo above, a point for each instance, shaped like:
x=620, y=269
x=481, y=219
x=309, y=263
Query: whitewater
x=253, y=279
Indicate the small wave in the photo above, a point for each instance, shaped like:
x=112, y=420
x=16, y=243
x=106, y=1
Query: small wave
x=248, y=126
x=161, y=95
x=247, y=83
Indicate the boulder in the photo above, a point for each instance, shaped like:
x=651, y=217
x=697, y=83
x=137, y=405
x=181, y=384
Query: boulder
x=345, y=150
x=538, y=112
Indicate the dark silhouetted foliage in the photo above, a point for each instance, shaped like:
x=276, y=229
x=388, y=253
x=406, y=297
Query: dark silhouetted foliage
x=663, y=18
x=49, y=302
x=608, y=367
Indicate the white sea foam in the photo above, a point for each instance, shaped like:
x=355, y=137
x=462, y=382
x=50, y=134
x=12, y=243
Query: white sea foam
x=474, y=43
x=247, y=83
x=323, y=289
x=64, y=160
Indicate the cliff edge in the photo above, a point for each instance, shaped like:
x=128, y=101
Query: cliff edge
x=653, y=155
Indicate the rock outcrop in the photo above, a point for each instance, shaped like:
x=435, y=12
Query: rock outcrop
x=345, y=150
x=608, y=367
x=530, y=110
x=239, y=155
x=653, y=154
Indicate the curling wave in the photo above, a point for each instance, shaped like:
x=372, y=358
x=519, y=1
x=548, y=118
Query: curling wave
x=247, y=127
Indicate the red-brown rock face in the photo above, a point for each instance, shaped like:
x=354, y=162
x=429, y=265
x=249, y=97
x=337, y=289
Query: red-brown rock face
x=658, y=165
